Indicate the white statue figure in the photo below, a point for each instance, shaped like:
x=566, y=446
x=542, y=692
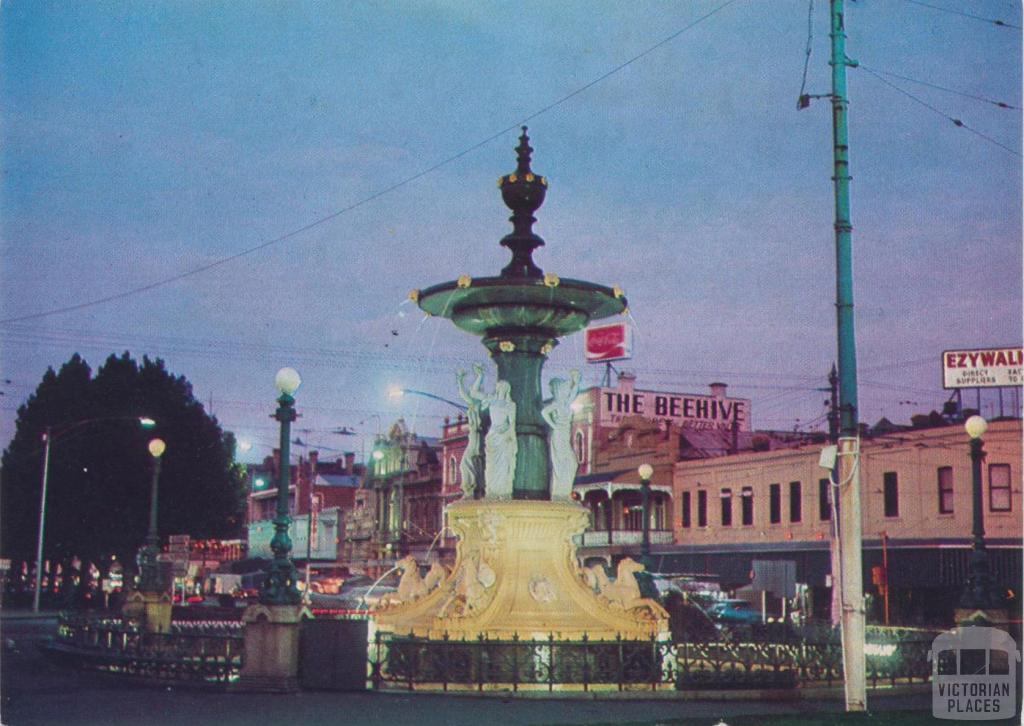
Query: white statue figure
x=412, y=586
x=500, y=444
x=558, y=415
x=395, y=511
x=471, y=466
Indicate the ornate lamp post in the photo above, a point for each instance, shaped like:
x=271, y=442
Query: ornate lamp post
x=149, y=568
x=279, y=585
x=646, y=471
x=981, y=592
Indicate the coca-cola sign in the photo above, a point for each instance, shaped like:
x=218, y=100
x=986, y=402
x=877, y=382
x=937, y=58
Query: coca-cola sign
x=608, y=342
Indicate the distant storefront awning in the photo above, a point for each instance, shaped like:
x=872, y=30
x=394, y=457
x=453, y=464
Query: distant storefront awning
x=611, y=487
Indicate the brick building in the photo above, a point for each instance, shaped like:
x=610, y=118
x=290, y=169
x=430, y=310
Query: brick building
x=916, y=516
x=400, y=508
x=327, y=489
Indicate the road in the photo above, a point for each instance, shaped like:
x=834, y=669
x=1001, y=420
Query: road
x=35, y=692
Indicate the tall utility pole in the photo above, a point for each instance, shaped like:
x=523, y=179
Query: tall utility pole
x=850, y=538
x=42, y=522
x=833, y=405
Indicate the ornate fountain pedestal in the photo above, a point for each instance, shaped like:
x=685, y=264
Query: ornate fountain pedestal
x=516, y=575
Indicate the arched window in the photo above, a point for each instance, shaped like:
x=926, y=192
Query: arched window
x=453, y=471
x=581, y=448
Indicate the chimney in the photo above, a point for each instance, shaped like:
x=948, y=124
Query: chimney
x=314, y=457
x=718, y=390
x=350, y=462
x=626, y=381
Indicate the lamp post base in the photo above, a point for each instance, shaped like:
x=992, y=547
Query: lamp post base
x=271, y=662
x=151, y=609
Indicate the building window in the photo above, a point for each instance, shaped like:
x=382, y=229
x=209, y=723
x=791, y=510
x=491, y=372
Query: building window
x=945, y=490
x=633, y=518
x=727, y=507
x=824, y=500
x=774, y=503
x=686, y=509
x=702, y=508
x=453, y=469
x=581, y=450
x=999, y=499
x=747, y=506
x=600, y=510
x=796, y=511
x=891, y=494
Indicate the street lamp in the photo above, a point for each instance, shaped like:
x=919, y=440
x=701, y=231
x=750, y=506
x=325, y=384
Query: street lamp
x=48, y=436
x=279, y=584
x=397, y=392
x=646, y=471
x=980, y=593
x=150, y=580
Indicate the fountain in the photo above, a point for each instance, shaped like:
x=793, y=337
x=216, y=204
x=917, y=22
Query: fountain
x=516, y=574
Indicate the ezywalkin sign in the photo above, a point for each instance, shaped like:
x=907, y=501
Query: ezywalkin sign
x=984, y=368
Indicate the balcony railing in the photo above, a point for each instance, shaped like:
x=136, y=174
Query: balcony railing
x=622, y=537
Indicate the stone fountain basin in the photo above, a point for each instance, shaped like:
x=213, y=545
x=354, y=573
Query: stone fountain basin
x=491, y=304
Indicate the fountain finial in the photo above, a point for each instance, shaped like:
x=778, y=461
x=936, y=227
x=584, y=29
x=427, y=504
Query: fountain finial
x=523, y=192
x=523, y=151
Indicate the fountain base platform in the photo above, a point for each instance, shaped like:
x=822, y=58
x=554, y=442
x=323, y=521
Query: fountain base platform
x=516, y=576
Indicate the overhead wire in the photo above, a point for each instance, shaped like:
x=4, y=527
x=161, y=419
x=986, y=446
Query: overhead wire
x=956, y=122
x=983, y=99
x=370, y=197
x=993, y=21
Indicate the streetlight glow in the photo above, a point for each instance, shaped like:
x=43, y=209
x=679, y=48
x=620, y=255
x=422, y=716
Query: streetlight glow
x=976, y=426
x=287, y=381
x=645, y=471
x=157, y=448
x=146, y=422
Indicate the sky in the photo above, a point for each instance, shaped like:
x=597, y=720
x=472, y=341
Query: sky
x=237, y=187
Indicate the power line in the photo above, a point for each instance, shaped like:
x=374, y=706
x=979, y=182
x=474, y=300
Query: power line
x=1000, y=23
x=956, y=122
x=1000, y=104
x=371, y=197
x=810, y=38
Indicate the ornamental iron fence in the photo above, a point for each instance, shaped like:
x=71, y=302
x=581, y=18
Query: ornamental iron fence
x=210, y=652
x=203, y=653
x=751, y=659
x=520, y=664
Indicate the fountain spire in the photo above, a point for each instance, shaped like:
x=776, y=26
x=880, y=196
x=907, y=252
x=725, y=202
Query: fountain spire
x=523, y=192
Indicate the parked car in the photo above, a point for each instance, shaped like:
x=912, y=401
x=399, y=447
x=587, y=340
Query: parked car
x=357, y=599
x=734, y=612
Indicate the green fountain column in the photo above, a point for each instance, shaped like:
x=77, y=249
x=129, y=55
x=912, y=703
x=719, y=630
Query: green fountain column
x=520, y=358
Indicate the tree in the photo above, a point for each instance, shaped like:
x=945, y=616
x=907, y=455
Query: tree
x=100, y=467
